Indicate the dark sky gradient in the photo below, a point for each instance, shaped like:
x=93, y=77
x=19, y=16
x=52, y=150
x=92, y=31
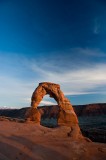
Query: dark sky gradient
x=45, y=39
x=41, y=26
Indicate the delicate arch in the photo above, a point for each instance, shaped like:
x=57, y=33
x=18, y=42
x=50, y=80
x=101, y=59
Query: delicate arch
x=66, y=115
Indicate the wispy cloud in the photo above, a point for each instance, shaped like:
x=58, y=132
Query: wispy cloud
x=77, y=81
x=80, y=78
x=90, y=52
x=96, y=29
x=47, y=103
x=88, y=78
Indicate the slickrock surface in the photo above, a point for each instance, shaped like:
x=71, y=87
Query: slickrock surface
x=30, y=141
x=93, y=125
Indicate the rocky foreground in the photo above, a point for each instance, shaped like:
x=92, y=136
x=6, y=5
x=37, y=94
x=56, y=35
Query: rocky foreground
x=92, y=118
x=30, y=141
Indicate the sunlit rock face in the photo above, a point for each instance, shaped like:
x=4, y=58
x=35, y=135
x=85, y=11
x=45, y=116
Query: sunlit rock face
x=66, y=115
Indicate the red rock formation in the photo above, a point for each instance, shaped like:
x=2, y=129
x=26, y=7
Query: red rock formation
x=66, y=114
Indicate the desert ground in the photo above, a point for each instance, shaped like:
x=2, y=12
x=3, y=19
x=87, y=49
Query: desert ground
x=30, y=141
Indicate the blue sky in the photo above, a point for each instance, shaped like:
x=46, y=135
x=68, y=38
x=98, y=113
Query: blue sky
x=60, y=41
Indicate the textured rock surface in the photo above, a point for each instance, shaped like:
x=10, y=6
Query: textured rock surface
x=92, y=126
x=66, y=115
x=21, y=141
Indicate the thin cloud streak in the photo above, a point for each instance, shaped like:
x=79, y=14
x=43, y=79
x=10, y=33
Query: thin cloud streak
x=90, y=52
x=96, y=26
x=80, y=80
x=46, y=103
x=74, y=80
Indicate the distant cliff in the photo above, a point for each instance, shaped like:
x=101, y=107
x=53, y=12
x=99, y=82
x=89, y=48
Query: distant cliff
x=52, y=111
x=80, y=110
x=90, y=109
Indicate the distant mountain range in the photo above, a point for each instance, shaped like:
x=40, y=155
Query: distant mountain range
x=52, y=111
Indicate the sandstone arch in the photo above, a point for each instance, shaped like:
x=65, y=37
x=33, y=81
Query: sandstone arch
x=66, y=117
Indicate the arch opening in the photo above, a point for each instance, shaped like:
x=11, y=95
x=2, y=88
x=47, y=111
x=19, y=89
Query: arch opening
x=47, y=101
x=49, y=110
